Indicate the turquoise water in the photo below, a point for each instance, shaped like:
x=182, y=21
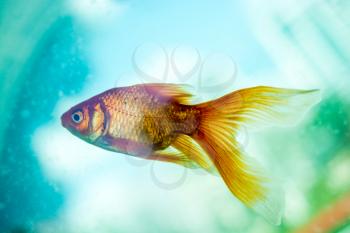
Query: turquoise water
x=54, y=54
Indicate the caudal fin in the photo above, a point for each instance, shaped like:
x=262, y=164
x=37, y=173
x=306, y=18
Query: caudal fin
x=220, y=121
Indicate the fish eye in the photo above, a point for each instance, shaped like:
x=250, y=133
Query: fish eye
x=77, y=116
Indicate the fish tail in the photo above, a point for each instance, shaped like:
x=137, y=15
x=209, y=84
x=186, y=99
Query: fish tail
x=221, y=120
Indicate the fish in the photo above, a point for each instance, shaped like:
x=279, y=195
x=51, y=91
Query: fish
x=163, y=122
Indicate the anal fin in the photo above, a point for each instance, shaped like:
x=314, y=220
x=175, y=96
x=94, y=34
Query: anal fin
x=194, y=152
x=172, y=155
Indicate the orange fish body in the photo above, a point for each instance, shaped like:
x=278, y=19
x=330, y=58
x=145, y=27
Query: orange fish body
x=135, y=120
x=159, y=122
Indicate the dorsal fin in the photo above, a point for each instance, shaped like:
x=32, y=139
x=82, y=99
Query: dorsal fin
x=178, y=92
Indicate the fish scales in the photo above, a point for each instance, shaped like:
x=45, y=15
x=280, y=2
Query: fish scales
x=142, y=116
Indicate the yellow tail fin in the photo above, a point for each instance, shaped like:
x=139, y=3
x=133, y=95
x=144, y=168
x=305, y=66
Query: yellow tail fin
x=219, y=124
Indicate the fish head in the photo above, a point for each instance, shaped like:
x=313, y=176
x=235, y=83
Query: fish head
x=85, y=120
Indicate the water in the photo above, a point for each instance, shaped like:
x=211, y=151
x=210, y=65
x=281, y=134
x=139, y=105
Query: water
x=56, y=54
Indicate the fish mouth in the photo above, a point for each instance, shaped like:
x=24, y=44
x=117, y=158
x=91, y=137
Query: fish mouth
x=64, y=120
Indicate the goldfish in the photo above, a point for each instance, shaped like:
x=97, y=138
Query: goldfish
x=162, y=122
